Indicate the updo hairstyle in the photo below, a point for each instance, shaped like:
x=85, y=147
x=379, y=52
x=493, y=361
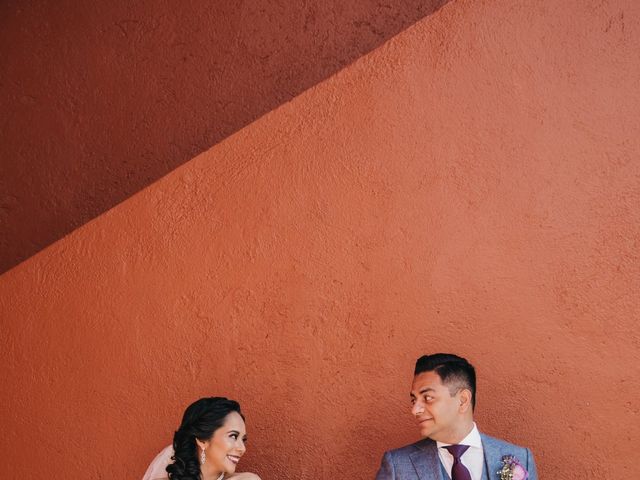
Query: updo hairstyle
x=201, y=419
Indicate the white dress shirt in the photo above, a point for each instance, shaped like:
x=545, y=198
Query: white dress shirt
x=473, y=458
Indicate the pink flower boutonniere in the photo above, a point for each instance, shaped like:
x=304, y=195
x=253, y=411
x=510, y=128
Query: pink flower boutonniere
x=512, y=469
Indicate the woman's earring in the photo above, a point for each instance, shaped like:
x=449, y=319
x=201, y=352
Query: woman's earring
x=203, y=458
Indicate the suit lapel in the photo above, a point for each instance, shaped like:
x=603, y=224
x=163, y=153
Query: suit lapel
x=492, y=456
x=426, y=461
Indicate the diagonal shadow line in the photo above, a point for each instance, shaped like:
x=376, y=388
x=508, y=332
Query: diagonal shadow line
x=101, y=101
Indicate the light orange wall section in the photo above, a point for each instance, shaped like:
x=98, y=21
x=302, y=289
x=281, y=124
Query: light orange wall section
x=471, y=186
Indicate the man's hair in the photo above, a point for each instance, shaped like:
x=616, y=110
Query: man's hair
x=454, y=371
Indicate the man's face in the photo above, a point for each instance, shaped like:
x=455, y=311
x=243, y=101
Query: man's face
x=435, y=409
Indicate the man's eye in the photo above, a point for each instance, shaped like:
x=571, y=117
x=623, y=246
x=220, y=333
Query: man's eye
x=428, y=399
x=413, y=401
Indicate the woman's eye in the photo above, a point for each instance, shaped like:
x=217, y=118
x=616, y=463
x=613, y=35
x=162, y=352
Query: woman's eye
x=234, y=436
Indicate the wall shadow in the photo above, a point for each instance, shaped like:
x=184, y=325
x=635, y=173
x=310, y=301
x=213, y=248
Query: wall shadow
x=99, y=101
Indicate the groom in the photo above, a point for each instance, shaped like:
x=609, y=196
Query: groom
x=443, y=396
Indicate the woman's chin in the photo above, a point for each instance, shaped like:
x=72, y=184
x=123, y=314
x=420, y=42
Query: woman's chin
x=230, y=465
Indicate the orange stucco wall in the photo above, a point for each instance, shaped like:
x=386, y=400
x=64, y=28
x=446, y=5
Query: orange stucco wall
x=470, y=186
x=102, y=98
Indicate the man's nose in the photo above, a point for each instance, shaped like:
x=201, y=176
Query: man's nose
x=417, y=409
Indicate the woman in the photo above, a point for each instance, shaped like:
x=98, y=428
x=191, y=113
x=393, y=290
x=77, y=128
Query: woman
x=207, y=446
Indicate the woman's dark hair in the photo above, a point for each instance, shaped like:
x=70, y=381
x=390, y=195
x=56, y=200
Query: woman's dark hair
x=200, y=420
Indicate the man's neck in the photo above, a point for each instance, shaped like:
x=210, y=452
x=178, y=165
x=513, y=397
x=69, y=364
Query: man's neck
x=457, y=434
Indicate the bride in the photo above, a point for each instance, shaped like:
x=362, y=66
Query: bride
x=207, y=445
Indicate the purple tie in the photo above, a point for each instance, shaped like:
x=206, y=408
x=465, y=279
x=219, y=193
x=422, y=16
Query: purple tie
x=458, y=471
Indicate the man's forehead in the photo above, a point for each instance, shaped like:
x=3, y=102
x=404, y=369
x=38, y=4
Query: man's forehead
x=425, y=380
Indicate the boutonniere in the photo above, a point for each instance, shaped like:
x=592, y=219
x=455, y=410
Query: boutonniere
x=512, y=469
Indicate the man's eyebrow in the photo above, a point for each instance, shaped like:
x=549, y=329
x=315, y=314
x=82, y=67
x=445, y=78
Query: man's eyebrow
x=424, y=390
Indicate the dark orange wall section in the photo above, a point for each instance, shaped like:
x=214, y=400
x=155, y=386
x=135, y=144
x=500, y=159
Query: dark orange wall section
x=100, y=99
x=472, y=185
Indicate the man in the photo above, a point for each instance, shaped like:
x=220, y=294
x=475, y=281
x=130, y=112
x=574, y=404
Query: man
x=443, y=396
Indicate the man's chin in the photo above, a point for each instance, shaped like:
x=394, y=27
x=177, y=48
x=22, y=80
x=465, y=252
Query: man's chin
x=426, y=428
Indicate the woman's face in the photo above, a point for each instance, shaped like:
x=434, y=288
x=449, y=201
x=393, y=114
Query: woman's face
x=225, y=447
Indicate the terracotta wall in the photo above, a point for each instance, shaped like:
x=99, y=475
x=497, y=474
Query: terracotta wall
x=100, y=99
x=472, y=186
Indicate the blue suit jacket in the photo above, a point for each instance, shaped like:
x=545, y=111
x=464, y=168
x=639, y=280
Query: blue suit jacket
x=420, y=461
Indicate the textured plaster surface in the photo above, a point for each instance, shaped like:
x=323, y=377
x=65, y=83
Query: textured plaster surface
x=470, y=186
x=100, y=99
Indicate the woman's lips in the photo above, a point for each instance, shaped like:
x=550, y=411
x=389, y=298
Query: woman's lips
x=234, y=459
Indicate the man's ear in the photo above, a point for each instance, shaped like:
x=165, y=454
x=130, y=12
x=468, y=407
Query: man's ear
x=465, y=400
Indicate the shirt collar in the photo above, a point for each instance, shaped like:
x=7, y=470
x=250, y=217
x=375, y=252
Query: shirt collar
x=472, y=439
